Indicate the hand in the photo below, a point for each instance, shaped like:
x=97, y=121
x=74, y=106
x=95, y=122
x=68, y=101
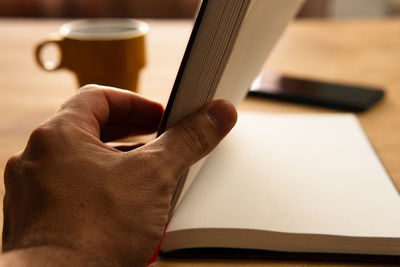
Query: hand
x=72, y=198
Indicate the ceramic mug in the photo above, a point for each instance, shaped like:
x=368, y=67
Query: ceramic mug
x=109, y=52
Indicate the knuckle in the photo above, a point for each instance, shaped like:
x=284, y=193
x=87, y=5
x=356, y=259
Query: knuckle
x=11, y=168
x=161, y=164
x=89, y=87
x=47, y=136
x=56, y=127
x=18, y=170
x=155, y=168
x=199, y=138
x=41, y=134
x=76, y=101
x=85, y=95
x=13, y=161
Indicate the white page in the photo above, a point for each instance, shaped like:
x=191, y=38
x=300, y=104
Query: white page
x=263, y=25
x=293, y=173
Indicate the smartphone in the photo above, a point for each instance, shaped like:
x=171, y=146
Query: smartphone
x=347, y=97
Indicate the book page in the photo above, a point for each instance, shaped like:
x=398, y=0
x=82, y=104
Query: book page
x=226, y=51
x=264, y=23
x=314, y=174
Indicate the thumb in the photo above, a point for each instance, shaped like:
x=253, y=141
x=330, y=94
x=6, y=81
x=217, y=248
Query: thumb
x=197, y=134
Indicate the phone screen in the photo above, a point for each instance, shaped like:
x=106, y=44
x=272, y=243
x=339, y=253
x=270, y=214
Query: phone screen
x=327, y=94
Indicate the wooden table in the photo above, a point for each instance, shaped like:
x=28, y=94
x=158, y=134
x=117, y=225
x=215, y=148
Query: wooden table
x=365, y=52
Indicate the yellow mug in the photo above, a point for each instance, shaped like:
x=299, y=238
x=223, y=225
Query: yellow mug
x=109, y=52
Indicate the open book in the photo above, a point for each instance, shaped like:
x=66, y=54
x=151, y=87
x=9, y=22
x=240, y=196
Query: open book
x=300, y=183
x=295, y=183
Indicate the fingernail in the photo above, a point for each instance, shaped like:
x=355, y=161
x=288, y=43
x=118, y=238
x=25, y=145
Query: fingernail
x=223, y=114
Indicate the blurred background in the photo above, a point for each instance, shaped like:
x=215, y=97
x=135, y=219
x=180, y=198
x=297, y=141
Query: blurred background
x=181, y=8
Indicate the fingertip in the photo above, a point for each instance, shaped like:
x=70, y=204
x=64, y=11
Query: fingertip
x=196, y=135
x=224, y=115
x=159, y=108
x=153, y=115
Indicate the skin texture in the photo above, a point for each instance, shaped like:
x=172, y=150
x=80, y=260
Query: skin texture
x=72, y=199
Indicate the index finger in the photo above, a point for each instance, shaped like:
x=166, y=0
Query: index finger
x=112, y=113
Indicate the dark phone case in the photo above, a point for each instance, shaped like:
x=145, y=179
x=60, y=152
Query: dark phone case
x=333, y=95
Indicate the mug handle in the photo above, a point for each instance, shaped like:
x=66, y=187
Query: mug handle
x=48, y=65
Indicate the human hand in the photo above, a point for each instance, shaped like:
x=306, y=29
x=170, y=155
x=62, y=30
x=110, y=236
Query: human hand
x=73, y=199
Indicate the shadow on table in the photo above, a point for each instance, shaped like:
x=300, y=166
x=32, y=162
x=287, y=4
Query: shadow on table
x=246, y=254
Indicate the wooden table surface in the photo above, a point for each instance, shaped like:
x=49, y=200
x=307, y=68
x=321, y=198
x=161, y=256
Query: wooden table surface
x=365, y=52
